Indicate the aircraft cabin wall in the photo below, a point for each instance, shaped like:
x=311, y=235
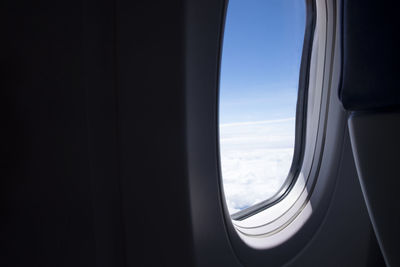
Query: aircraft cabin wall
x=109, y=151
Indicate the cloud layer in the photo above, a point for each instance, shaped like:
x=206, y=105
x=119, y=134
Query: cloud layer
x=255, y=160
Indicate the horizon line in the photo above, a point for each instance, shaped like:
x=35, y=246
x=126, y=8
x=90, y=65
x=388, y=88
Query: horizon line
x=256, y=122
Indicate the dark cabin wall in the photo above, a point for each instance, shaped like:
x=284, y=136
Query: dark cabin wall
x=46, y=191
x=152, y=134
x=93, y=138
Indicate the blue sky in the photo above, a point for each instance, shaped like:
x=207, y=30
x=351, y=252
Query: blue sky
x=260, y=60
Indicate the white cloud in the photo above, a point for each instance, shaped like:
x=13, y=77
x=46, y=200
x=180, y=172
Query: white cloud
x=255, y=159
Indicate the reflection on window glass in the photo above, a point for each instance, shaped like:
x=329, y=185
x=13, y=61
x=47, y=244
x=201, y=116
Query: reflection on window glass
x=258, y=94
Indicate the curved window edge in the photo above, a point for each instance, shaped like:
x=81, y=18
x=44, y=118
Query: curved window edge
x=300, y=124
x=274, y=224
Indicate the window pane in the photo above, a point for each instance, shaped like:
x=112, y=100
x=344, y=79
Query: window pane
x=258, y=94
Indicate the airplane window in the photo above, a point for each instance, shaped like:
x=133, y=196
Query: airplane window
x=260, y=68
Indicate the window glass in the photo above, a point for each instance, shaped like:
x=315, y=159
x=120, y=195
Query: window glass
x=260, y=67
